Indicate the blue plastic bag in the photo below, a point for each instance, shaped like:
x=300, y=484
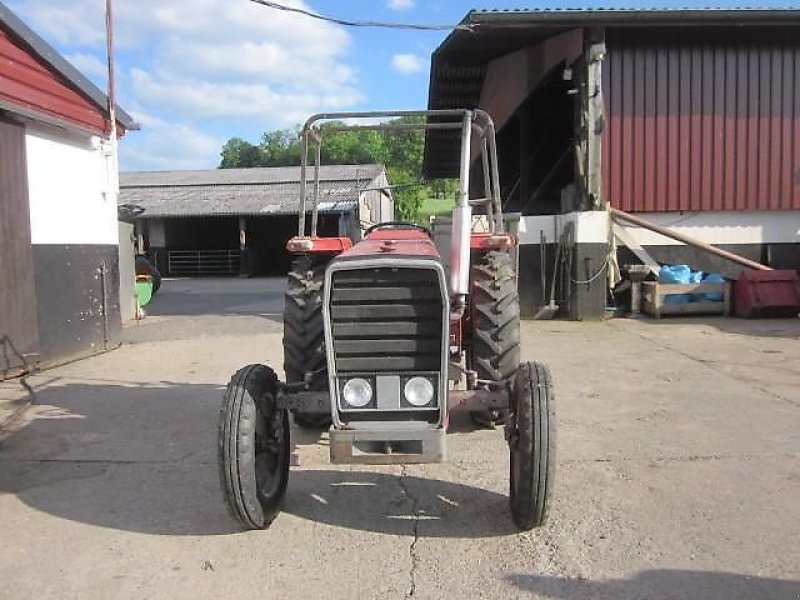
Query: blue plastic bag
x=675, y=274
x=713, y=278
x=697, y=277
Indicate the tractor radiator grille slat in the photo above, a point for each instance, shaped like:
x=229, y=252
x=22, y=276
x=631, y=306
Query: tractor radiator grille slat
x=386, y=320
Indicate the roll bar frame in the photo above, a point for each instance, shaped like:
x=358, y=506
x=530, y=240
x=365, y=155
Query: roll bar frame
x=468, y=121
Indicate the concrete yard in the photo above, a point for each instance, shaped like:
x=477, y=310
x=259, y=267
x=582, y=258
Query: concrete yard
x=678, y=473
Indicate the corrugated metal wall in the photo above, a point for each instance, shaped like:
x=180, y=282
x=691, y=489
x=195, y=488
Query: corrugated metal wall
x=702, y=120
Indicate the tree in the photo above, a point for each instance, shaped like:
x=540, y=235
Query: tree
x=281, y=148
x=240, y=153
x=399, y=150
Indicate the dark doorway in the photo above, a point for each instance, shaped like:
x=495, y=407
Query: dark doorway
x=202, y=233
x=267, y=237
x=536, y=148
x=266, y=244
x=19, y=332
x=203, y=246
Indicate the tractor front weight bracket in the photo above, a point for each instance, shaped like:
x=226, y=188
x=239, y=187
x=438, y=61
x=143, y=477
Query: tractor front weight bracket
x=305, y=402
x=470, y=400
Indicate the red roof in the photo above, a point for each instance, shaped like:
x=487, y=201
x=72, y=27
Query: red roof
x=39, y=82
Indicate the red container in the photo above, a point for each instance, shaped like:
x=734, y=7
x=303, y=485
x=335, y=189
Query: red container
x=766, y=294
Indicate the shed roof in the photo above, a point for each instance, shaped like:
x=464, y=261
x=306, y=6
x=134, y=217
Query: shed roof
x=247, y=192
x=458, y=65
x=44, y=51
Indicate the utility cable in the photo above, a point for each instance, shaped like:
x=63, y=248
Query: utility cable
x=360, y=23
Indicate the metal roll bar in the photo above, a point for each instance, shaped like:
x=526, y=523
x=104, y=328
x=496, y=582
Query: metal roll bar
x=465, y=120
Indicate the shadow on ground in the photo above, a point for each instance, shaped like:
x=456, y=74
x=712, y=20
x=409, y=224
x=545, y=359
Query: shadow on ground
x=662, y=584
x=142, y=458
x=386, y=503
x=221, y=296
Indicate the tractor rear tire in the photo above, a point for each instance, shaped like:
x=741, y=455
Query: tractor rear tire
x=532, y=442
x=253, y=447
x=494, y=309
x=304, y=332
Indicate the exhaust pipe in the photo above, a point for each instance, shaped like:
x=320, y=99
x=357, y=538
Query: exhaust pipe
x=462, y=227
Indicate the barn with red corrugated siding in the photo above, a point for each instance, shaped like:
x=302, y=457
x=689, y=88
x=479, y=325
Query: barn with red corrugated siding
x=690, y=118
x=59, y=243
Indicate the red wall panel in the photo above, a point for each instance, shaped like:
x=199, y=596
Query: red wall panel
x=27, y=82
x=702, y=121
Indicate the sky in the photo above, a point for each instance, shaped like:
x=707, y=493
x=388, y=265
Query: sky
x=194, y=73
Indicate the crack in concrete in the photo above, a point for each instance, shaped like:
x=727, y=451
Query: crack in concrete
x=412, y=549
x=98, y=461
x=713, y=366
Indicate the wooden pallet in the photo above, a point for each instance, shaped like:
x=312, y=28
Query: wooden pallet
x=653, y=299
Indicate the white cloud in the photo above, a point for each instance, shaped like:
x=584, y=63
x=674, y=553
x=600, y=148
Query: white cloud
x=407, y=63
x=89, y=65
x=79, y=23
x=207, y=59
x=215, y=100
x=163, y=145
x=400, y=4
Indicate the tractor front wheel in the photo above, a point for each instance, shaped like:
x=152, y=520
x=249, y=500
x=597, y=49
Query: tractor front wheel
x=253, y=447
x=531, y=433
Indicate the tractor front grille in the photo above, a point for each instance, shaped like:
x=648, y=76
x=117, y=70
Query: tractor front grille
x=387, y=320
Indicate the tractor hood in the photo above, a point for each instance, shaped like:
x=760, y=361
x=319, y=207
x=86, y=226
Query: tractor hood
x=394, y=242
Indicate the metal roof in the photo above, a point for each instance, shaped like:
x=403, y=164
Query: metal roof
x=458, y=65
x=246, y=192
x=73, y=76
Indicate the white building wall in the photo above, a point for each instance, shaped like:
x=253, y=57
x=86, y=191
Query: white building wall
x=712, y=227
x=70, y=182
x=723, y=227
x=127, y=272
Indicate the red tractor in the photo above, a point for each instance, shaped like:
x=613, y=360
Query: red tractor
x=382, y=344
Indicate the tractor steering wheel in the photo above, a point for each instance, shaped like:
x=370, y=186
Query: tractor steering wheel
x=397, y=225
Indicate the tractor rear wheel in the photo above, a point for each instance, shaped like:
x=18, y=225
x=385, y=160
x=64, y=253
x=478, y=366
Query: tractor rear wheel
x=494, y=310
x=253, y=447
x=304, y=331
x=531, y=433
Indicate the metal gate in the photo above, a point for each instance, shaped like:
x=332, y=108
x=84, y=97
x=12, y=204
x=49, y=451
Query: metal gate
x=204, y=262
x=19, y=330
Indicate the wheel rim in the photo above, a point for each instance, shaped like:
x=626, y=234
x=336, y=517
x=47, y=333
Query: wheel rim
x=270, y=453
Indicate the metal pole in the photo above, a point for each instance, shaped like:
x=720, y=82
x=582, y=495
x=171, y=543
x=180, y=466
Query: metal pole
x=487, y=186
x=104, y=301
x=490, y=136
x=466, y=141
x=112, y=88
x=301, y=227
x=746, y=262
x=113, y=182
x=315, y=204
x=462, y=227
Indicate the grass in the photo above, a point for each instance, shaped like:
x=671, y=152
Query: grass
x=435, y=206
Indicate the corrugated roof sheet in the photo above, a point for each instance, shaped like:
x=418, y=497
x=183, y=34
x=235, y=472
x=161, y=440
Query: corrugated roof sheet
x=257, y=191
x=246, y=176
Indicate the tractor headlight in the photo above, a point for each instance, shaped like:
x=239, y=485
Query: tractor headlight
x=418, y=391
x=357, y=392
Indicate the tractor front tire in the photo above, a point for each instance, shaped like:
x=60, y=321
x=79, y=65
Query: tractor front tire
x=494, y=310
x=253, y=447
x=531, y=433
x=304, y=332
